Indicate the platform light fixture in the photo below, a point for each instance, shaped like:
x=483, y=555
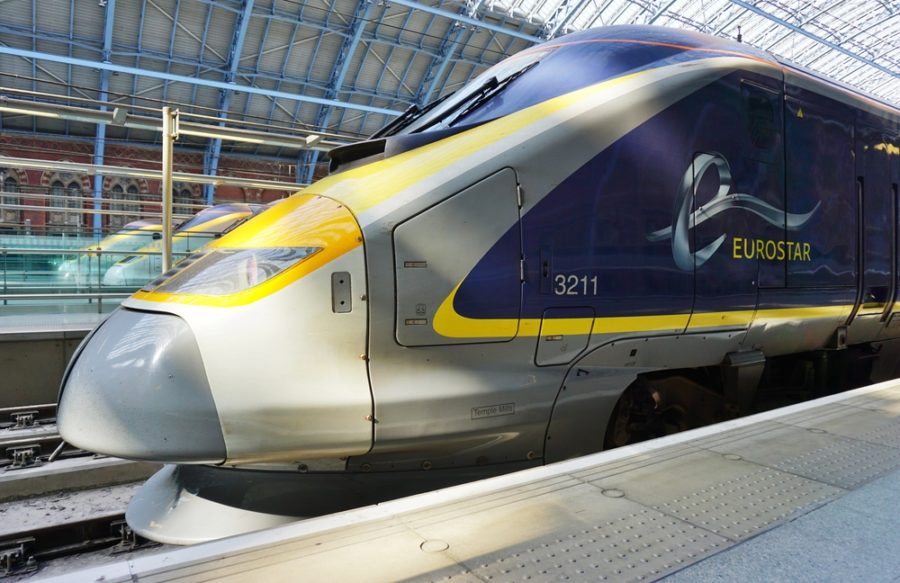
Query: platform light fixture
x=119, y=116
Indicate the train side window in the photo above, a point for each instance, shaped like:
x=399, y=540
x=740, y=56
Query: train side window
x=760, y=107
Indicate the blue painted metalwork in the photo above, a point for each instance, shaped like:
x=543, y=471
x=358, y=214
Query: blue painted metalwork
x=37, y=55
x=342, y=64
x=481, y=62
x=860, y=31
x=137, y=59
x=234, y=59
x=203, y=38
x=506, y=51
x=34, y=63
x=383, y=65
x=814, y=37
x=100, y=139
x=468, y=20
x=562, y=22
x=259, y=56
x=355, y=30
x=422, y=50
x=302, y=158
x=312, y=20
x=354, y=84
x=395, y=44
x=287, y=57
x=435, y=74
x=880, y=85
x=71, y=38
x=598, y=13
x=171, y=54
x=142, y=53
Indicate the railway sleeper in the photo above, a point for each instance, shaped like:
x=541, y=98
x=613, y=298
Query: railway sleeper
x=24, y=552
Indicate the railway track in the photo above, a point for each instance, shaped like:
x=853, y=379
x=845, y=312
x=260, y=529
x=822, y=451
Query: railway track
x=24, y=416
x=26, y=552
x=51, y=512
x=28, y=437
x=63, y=525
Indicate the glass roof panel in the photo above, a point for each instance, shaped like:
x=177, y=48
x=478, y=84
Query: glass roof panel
x=817, y=34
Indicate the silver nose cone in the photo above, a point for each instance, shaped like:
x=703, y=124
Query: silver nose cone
x=137, y=389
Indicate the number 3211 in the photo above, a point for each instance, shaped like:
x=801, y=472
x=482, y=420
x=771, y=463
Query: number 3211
x=572, y=285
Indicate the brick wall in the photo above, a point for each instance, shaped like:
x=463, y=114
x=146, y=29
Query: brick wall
x=37, y=182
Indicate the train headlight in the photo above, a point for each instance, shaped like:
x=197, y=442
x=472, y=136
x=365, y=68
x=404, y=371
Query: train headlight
x=269, y=252
x=224, y=271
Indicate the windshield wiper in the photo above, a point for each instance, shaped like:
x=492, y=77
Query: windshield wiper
x=411, y=114
x=485, y=87
x=491, y=93
x=399, y=122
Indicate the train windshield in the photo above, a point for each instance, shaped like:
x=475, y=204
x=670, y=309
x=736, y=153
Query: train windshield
x=474, y=95
x=129, y=239
x=226, y=271
x=275, y=248
x=216, y=219
x=561, y=66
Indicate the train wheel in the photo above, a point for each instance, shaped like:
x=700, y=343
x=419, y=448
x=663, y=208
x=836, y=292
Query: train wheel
x=643, y=413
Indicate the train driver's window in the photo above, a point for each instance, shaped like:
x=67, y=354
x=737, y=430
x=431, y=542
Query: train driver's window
x=762, y=114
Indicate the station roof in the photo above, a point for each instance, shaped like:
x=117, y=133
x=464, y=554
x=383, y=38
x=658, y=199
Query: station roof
x=349, y=66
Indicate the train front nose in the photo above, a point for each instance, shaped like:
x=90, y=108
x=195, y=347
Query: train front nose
x=138, y=390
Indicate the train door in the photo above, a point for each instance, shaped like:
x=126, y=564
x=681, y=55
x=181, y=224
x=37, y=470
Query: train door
x=876, y=237
x=737, y=189
x=821, y=218
x=458, y=267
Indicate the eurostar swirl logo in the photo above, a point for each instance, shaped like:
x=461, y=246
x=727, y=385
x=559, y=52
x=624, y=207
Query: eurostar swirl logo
x=723, y=201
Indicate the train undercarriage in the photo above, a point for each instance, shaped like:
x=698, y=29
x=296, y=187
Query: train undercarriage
x=666, y=402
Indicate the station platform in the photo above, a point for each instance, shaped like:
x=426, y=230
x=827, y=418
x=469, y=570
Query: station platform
x=36, y=346
x=804, y=493
x=31, y=325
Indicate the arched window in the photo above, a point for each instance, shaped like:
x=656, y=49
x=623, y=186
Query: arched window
x=63, y=196
x=182, y=198
x=117, y=205
x=124, y=200
x=73, y=201
x=10, y=197
x=57, y=202
x=133, y=203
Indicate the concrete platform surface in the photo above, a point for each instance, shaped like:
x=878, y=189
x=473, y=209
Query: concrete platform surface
x=805, y=493
x=15, y=325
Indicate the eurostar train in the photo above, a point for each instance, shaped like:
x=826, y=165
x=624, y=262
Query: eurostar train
x=88, y=267
x=615, y=235
x=189, y=236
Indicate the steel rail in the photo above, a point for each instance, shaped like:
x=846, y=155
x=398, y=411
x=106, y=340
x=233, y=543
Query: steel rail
x=23, y=552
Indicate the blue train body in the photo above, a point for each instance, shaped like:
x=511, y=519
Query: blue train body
x=589, y=244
